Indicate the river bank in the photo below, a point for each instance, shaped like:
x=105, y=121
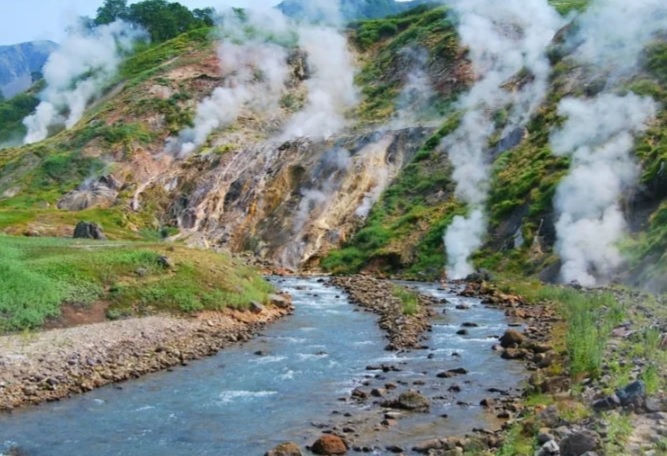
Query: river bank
x=52, y=365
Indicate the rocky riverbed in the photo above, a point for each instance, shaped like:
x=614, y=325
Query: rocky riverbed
x=403, y=331
x=51, y=365
x=397, y=403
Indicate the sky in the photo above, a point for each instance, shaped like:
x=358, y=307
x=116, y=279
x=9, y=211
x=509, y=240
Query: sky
x=29, y=20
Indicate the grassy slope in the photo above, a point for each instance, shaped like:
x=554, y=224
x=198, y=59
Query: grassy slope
x=39, y=275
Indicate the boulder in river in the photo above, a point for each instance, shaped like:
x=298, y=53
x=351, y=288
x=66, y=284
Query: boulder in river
x=512, y=338
x=285, y=449
x=413, y=401
x=329, y=444
x=89, y=230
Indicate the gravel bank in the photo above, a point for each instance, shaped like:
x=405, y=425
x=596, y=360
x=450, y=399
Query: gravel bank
x=404, y=331
x=55, y=364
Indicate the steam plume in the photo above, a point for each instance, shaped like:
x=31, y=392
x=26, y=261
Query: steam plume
x=503, y=38
x=76, y=74
x=613, y=33
x=417, y=92
x=255, y=71
x=599, y=136
x=331, y=89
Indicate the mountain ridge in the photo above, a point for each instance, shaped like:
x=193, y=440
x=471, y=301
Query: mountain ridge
x=19, y=62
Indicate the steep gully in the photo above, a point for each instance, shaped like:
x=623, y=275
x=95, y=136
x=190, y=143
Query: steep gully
x=303, y=375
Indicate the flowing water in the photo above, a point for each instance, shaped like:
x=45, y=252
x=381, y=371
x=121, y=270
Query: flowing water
x=241, y=403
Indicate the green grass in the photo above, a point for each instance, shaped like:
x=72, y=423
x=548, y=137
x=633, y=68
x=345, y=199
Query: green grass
x=517, y=443
x=588, y=316
x=146, y=61
x=567, y=6
x=409, y=300
x=619, y=429
x=40, y=275
x=384, y=41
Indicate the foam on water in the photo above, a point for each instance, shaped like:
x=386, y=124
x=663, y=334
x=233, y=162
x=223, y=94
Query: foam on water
x=232, y=396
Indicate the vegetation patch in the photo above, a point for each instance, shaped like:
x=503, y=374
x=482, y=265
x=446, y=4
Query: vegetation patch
x=40, y=275
x=409, y=299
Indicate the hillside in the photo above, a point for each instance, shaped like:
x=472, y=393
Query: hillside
x=19, y=62
x=412, y=70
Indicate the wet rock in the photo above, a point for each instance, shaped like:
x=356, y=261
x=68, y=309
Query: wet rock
x=463, y=307
x=458, y=371
x=285, y=449
x=544, y=436
x=504, y=415
x=329, y=444
x=512, y=353
x=394, y=449
x=413, y=401
x=89, y=230
x=487, y=402
x=462, y=332
x=550, y=416
x=425, y=447
x=512, y=338
x=359, y=394
x=632, y=395
x=378, y=392
x=579, y=443
x=606, y=403
x=470, y=325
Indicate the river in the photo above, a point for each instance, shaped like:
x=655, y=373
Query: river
x=250, y=397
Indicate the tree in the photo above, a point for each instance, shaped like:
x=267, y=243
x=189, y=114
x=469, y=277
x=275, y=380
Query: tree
x=204, y=15
x=111, y=11
x=163, y=20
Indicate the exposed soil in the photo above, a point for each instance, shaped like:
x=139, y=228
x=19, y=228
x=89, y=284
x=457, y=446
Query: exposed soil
x=73, y=315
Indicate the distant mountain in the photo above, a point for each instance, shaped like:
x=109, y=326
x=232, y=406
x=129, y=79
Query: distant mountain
x=18, y=62
x=351, y=9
